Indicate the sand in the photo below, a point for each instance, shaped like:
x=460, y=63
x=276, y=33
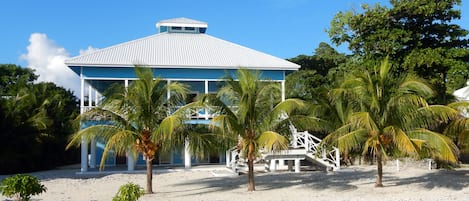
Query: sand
x=216, y=183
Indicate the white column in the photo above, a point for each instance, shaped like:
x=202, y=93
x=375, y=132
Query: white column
x=337, y=158
x=187, y=154
x=84, y=144
x=93, y=153
x=206, y=92
x=96, y=97
x=130, y=155
x=90, y=96
x=82, y=95
x=130, y=160
x=92, y=158
x=84, y=155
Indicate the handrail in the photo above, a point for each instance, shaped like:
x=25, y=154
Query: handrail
x=312, y=144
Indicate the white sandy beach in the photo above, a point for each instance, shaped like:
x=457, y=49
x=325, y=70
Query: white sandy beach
x=351, y=183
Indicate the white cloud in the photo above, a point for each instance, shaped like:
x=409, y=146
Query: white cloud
x=47, y=58
x=88, y=50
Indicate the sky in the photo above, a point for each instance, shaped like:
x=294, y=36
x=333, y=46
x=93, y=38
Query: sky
x=42, y=34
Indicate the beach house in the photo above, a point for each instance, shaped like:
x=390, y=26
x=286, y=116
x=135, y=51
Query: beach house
x=181, y=51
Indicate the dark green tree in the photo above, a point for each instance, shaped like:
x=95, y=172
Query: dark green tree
x=419, y=35
x=35, y=122
x=316, y=71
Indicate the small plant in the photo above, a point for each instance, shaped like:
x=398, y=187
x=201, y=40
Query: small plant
x=129, y=192
x=21, y=187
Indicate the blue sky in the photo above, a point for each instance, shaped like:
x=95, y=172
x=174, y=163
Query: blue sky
x=34, y=31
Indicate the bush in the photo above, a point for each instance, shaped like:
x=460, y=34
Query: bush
x=129, y=192
x=21, y=187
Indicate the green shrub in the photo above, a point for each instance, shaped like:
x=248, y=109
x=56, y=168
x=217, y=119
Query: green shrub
x=129, y=192
x=21, y=187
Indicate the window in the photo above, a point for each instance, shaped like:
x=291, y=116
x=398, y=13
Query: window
x=184, y=29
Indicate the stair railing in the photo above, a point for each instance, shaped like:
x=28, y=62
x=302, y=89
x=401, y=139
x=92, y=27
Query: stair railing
x=312, y=145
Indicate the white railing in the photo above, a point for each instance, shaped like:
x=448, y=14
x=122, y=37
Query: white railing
x=312, y=145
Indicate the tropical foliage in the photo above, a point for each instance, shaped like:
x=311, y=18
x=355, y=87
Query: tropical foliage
x=392, y=118
x=21, y=187
x=128, y=192
x=419, y=35
x=35, y=120
x=250, y=110
x=138, y=119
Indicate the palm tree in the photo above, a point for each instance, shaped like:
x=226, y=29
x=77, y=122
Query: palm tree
x=249, y=110
x=459, y=128
x=392, y=117
x=139, y=119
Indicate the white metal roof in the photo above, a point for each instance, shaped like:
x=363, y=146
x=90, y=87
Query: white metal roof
x=183, y=22
x=181, y=50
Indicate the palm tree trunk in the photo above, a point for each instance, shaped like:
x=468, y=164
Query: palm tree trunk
x=379, y=161
x=251, y=184
x=149, y=189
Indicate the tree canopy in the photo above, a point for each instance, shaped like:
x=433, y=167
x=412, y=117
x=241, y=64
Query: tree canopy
x=420, y=36
x=35, y=122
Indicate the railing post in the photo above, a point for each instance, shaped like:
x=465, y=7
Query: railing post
x=306, y=134
x=295, y=140
x=337, y=158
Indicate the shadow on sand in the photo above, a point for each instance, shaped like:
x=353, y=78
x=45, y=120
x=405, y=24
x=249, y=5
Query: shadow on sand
x=347, y=180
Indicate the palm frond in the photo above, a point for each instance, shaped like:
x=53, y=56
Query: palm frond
x=100, y=131
x=402, y=141
x=120, y=142
x=271, y=141
x=439, y=146
x=352, y=140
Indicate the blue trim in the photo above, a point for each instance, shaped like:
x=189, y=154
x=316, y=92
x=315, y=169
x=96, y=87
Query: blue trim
x=172, y=73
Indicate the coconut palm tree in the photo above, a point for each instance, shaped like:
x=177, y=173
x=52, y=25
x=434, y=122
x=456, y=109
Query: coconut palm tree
x=459, y=128
x=139, y=119
x=250, y=110
x=392, y=117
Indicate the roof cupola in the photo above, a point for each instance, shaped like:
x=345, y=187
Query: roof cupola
x=181, y=25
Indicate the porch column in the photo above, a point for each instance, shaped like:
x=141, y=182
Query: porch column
x=82, y=95
x=93, y=153
x=96, y=97
x=90, y=95
x=206, y=92
x=130, y=156
x=84, y=155
x=187, y=154
x=84, y=144
x=92, y=158
x=130, y=160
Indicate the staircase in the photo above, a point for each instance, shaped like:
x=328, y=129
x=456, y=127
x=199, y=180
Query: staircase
x=303, y=146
